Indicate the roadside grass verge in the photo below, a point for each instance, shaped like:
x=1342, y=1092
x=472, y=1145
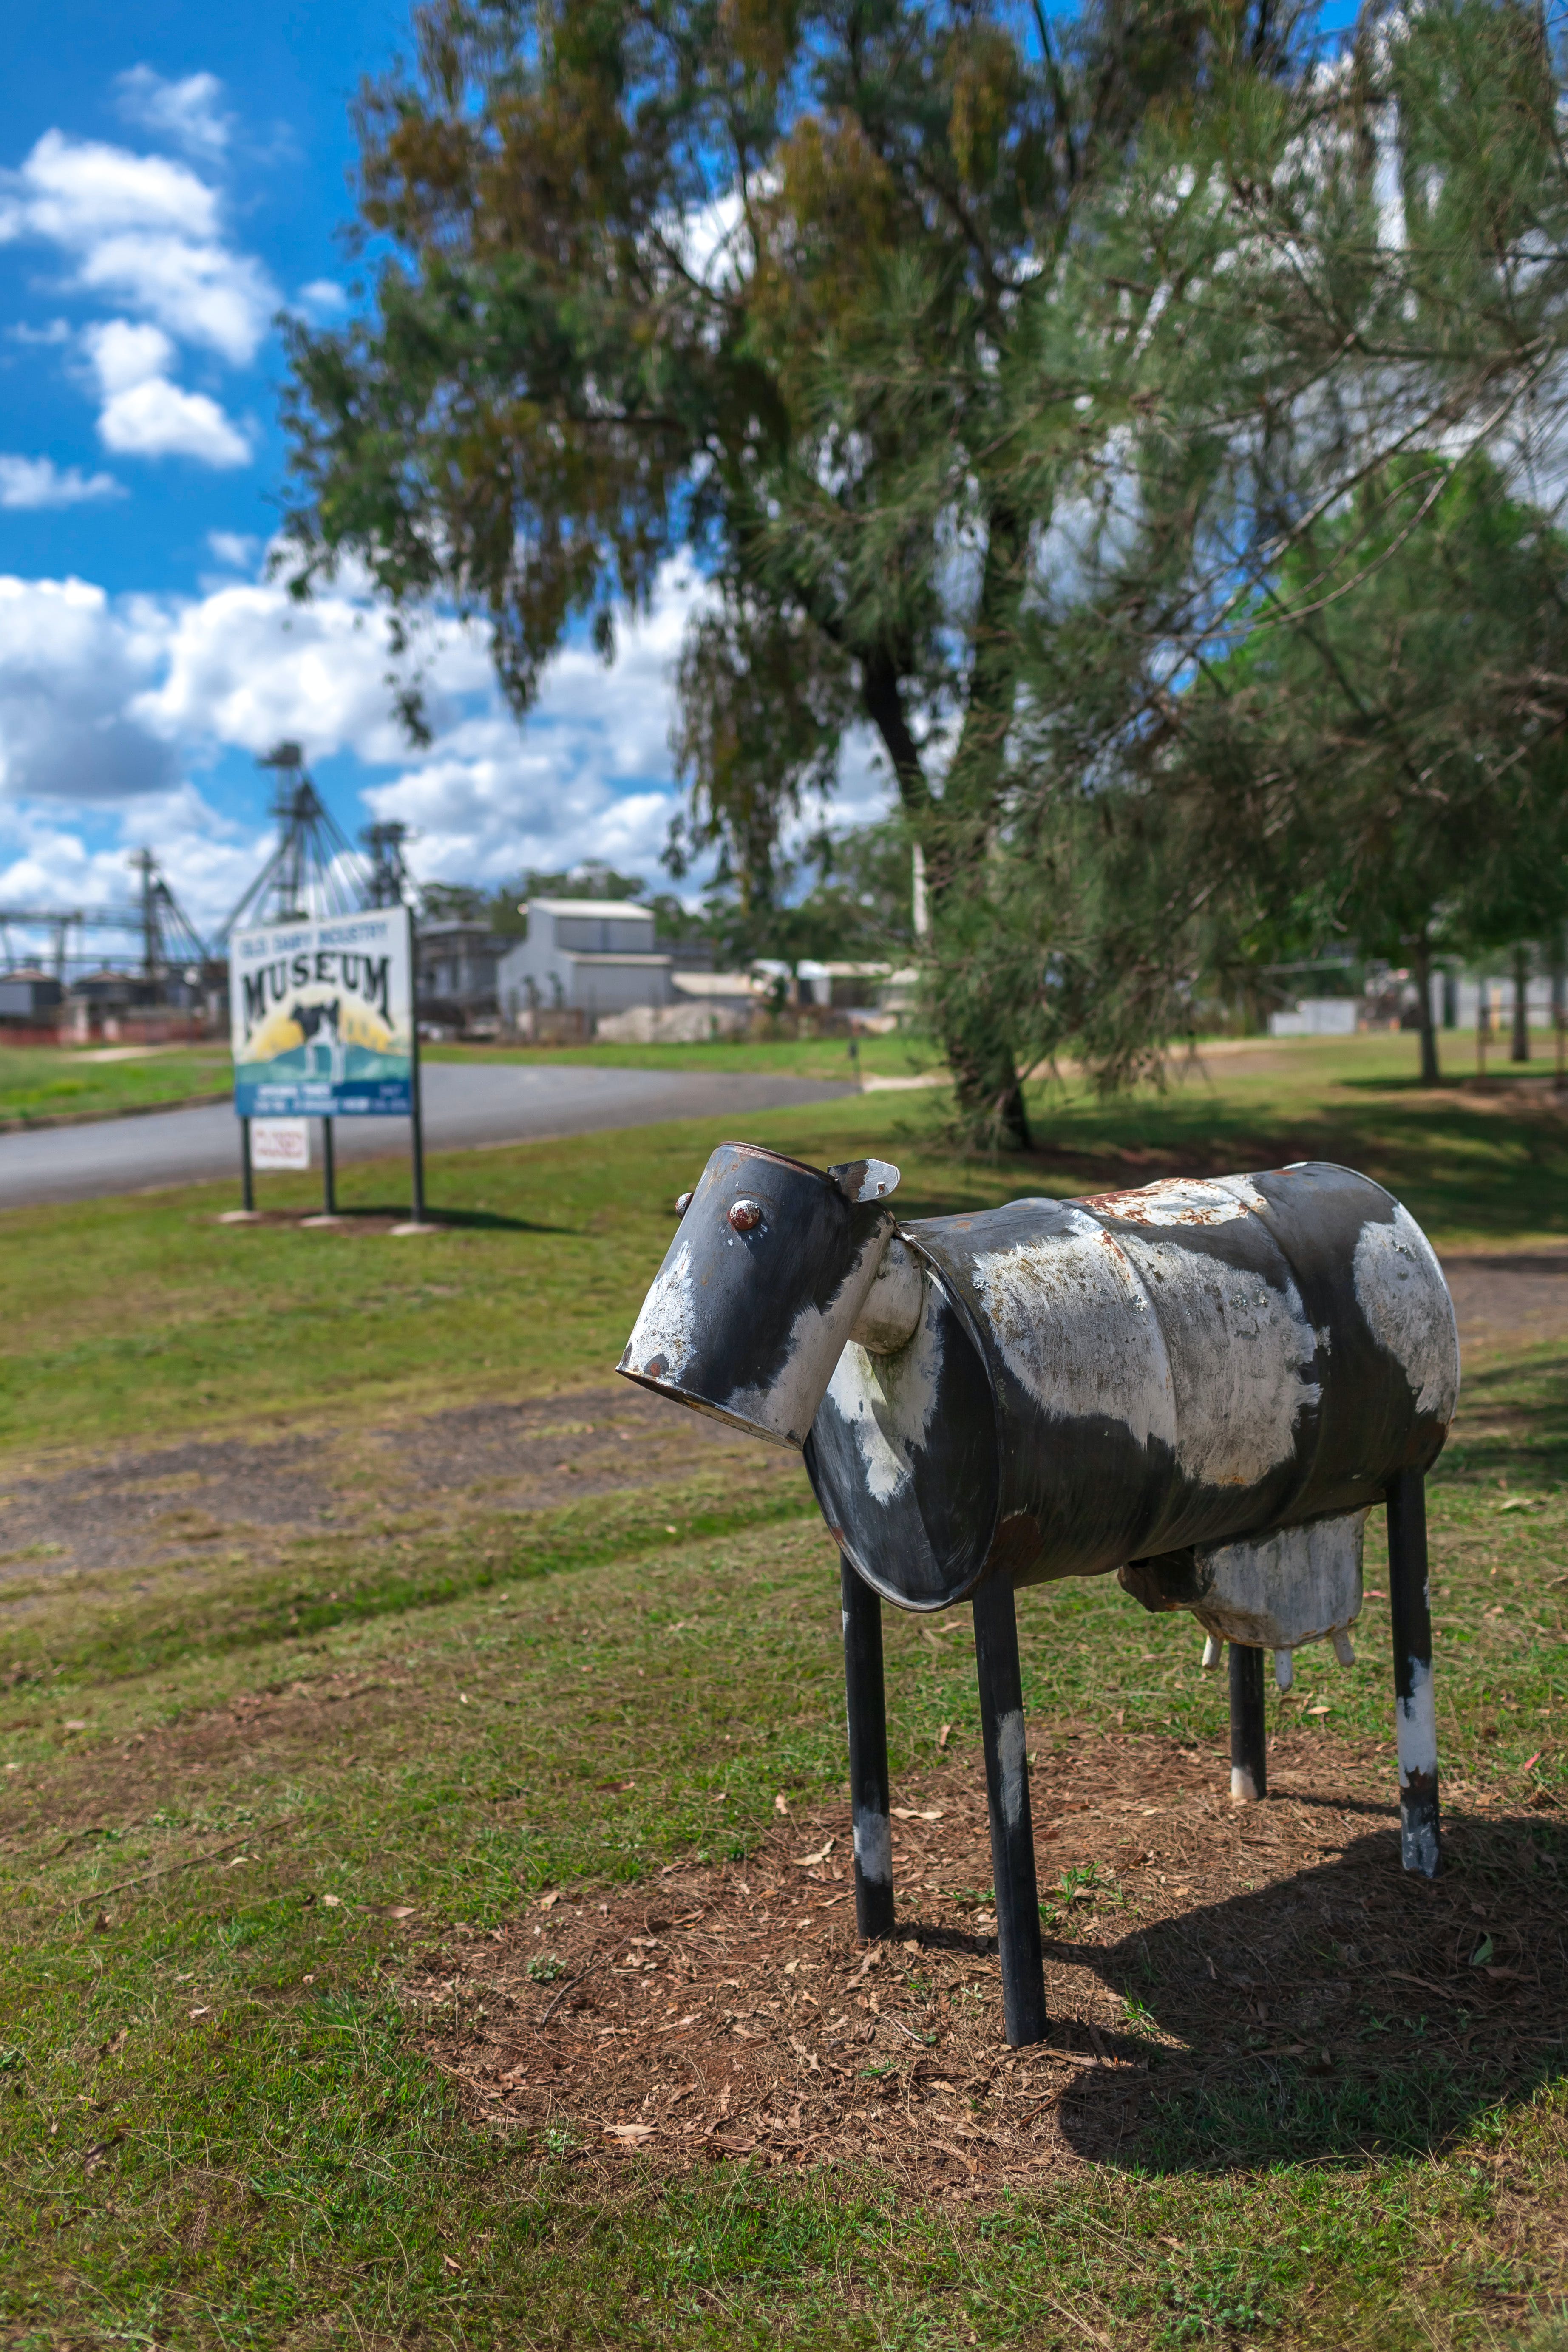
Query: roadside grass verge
x=902, y=1052
x=39, y=1081
x=217, y=2127
x=129, y=1316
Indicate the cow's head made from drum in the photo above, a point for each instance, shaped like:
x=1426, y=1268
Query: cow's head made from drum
x=1057, y=1388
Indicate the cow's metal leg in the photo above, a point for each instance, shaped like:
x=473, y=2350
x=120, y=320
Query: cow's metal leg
x=1249, y=1727
x=1414, y=1716
x=869, y=1797
x=1012, y=1830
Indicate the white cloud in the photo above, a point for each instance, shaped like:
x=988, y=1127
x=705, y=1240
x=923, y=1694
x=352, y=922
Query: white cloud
x=35, y=482
x=207, y=859
x=321, y=300
x=123, y=354
x=113, y=705
x=235, y=549
x=246, y=665
x=588, y=776
x=145, y=231
x=70, y=664
x=187, y=112
x=156, y=419
x=145, y=414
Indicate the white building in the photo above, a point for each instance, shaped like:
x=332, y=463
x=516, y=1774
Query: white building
x=592, y=956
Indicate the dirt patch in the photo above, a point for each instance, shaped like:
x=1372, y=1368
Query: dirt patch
x=728, y=2010
x=156, y=1507
x=1508, y=1301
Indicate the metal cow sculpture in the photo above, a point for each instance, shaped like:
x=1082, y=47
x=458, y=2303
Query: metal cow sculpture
x=1201, y=1386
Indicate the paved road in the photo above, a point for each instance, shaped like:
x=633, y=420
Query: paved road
x=465, y=1104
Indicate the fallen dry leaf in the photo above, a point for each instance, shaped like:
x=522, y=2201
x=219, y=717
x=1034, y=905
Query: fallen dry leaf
x=401, y=1911
x=781, y=1802
x=633, y=2134
x=943, y=1735
x=913, y=1813
x=548, y=1902
x=333, y=1902
x=807, y=1860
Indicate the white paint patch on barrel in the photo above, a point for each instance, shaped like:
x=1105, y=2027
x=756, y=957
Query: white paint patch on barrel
x=1415, y=1726
x=1074, y=1326
x=786, y=1409
x=1400, y=1289
x=1243, y=1787
x=1182, y=1201
x=1241, y=1356
x=886, y=1404
x=665, y=1325
x=1012, y=1757
x=874, y=1848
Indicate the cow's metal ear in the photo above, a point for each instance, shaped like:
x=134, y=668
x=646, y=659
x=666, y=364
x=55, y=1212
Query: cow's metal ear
x=865, y=1179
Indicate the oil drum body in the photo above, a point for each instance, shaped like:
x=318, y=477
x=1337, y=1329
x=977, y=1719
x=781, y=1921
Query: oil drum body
x=1099, y=1381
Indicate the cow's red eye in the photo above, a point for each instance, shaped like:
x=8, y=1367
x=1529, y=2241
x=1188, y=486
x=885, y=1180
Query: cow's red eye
x=746, y=1214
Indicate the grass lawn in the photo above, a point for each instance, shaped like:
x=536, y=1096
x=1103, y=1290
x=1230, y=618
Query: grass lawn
x=39, y=1081
x=895, y=1056
x=252, y=1792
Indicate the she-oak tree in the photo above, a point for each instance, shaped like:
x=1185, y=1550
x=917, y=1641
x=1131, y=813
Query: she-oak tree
x=784, y=286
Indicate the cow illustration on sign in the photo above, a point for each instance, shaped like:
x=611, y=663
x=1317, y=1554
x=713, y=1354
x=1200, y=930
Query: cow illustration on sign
x=1202, y=1386
x=321, y=1029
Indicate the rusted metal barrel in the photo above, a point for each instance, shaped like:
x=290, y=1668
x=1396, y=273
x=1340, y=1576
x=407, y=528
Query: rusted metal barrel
x=1075, y=1385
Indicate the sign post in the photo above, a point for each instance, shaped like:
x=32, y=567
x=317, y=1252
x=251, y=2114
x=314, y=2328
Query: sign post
x=322, y=1026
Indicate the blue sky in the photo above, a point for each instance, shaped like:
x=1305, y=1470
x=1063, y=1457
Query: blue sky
x=170, y=177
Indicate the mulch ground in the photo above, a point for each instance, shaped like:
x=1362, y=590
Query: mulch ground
x=727, y=2011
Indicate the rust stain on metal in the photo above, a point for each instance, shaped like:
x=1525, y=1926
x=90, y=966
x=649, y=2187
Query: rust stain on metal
x=1172, y=1201
x=1015, y=1546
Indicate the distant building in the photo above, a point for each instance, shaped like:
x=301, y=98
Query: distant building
x=586, y=956
x=855, y=987
x=29, y=996
x=456, y=964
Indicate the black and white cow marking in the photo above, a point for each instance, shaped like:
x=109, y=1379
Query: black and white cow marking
x=1203, y=1387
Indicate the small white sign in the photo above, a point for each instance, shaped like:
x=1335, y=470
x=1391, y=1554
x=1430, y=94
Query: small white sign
x=281, y=1143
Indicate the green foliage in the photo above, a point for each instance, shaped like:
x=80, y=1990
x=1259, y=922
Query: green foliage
x=795, y=288
x=1290, y=671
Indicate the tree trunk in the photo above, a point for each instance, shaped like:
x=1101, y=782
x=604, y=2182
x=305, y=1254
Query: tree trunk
x=1521, y=1006
x=1422, y=960
x=975, y=1040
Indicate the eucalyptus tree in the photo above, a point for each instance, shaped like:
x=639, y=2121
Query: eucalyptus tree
x=799, y=288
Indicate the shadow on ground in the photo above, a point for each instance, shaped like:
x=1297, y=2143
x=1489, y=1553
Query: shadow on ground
x=1345, y=2012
